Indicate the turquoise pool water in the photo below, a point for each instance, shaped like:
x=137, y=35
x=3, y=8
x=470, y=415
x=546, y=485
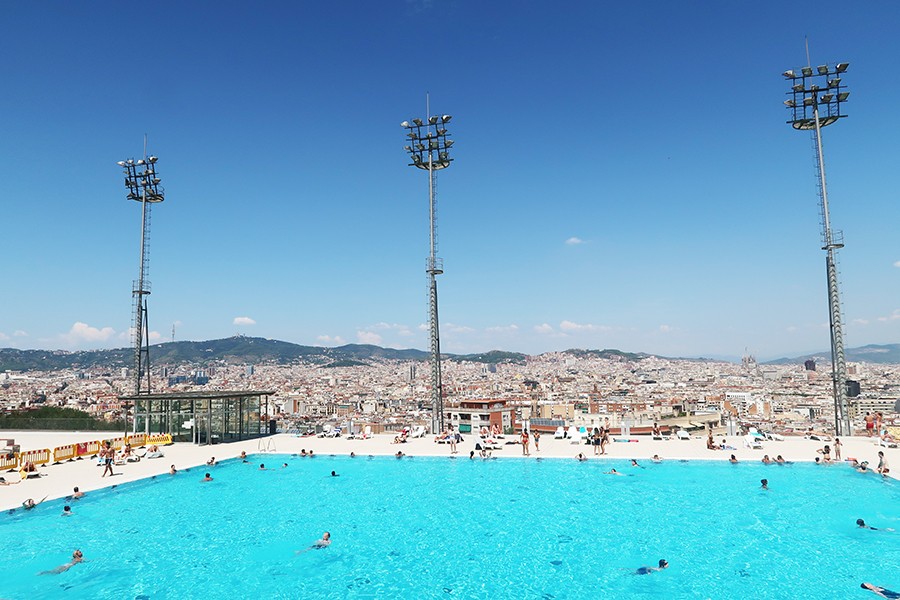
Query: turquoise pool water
x=443, y=528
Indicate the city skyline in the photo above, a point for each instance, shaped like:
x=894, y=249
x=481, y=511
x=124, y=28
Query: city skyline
x=623, y=177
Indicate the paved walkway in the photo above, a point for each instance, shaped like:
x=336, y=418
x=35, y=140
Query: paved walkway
x=59, y=480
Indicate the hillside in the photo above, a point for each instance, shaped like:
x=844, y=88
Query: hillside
x=872, y=353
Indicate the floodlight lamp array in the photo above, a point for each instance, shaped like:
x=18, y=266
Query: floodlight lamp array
x=816, y=94
x=429, y=146
x=141, y=179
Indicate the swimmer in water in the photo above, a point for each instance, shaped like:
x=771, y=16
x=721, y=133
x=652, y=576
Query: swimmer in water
x=206, y=478
x=765, y=483
x=77, y=557
x=663, y=564
x=880, y=591
x=30, y=503
x=612, y=472
x=318, y=544
x=862, y=525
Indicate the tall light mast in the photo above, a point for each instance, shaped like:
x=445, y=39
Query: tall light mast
x=429, y=150
x=143, y=186
x=815, y=101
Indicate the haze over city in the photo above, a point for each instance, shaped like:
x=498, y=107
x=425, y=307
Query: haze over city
x=623, y=175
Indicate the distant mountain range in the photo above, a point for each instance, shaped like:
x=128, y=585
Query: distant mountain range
x=873, y=353
x=240, y=350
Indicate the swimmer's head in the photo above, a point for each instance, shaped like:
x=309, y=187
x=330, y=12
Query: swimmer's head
x=860, y=522
x=663, y=563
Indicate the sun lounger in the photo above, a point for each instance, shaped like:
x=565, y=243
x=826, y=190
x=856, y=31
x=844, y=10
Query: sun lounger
x=418, y=431
x=575, y=435
x=774, y=437
x=681, y=434
x=752, y=442
x=560, y=433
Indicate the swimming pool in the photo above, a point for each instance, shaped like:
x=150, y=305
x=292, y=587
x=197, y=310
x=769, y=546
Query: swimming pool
x=444, y=528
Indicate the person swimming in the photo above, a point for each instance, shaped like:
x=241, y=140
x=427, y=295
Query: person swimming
x=663, y=564
x=77, y=557
x=319, y=544
x=884, y=593
x=862, y=525
x=765, y=483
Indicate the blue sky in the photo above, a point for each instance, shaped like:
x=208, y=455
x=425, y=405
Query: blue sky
x=623, y=175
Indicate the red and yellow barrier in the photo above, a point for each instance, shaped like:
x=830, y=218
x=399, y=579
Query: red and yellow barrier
x=116, y=443
x=8, y=461
x=87, y=449
x=138, y=440
x=61, y=453
x=37, y=457
x=161, y=438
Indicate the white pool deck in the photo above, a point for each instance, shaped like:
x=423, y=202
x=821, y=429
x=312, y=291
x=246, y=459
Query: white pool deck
x=59, y=480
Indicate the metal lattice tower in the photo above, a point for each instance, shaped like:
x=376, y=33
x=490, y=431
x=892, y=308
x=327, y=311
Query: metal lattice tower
x=429, y=149
x=143, y=186
x=815, y=101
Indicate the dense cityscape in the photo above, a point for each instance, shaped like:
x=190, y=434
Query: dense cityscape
x=558, y=388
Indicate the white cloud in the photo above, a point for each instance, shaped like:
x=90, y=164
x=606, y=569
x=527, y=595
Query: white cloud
x=891, y=317
x=503, y=329
x=453, y=328
x=20, y=333
x=398, y=328
x=666, y=328
x=897, y=263
x=243, y=321
x=860, y=321
x=3, y=336
x=422, y=327
x=82, y=333
x=154, y=336
x=574, y=241
x=368, y=337
x=327, y=339
x=543, y=328
x=792, y=328
x=571, y=326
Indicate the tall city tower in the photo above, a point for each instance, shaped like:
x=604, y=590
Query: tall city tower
x=143, y=186
x=429, y=150
x=815, y=102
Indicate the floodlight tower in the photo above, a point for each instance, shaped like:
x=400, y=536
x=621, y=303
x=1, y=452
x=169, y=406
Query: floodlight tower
x=143, y=186
x=429, y=149
x=815, y=101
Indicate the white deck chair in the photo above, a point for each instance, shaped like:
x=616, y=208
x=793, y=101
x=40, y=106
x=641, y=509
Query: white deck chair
x=752, y=442
x=681, y=434
x=575, y=435
x=418, y=431
x=560, y=433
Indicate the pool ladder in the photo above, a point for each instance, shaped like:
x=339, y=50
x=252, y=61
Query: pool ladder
x=266, y=445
